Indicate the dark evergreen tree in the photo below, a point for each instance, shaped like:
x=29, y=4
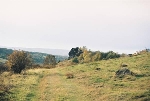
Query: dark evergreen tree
x=75, y=52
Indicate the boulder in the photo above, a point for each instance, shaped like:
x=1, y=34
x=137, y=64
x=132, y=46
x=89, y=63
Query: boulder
x=123, y=71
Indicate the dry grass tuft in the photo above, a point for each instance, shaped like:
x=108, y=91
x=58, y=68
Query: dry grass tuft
x=69, y=75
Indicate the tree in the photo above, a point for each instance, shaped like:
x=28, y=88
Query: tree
x=75, y=52
x=96, y=56
x=50, y=60
x=19, y=60
x=88, y=58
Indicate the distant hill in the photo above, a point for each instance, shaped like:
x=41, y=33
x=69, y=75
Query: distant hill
x=61, y=52
x=37, y=56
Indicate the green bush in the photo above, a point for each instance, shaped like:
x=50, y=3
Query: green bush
x=75, y=60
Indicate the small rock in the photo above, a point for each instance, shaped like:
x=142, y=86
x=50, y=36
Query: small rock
x=98, y=68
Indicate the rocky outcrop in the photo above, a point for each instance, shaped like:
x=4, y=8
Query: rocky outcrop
x=123, y=71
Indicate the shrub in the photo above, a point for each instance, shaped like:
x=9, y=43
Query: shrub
x=18, y=60
x=75, y=60
x=3, y=68
x=49, y=61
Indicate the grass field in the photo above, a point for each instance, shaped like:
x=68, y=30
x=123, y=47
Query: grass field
x=87, y=83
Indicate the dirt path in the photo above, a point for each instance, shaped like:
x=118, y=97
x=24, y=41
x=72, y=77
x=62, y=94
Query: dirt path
x=55, y=87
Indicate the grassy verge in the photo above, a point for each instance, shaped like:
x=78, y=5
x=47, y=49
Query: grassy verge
x=25, y=86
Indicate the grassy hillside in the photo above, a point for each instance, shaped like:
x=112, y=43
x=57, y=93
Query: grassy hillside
x=87, y=83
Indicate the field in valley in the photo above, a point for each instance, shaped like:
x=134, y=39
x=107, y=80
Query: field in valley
x=95, y=81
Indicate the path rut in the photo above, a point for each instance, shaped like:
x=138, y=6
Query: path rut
x=55, y=87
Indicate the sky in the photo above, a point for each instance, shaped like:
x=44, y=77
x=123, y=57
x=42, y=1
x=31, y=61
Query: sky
x=118, y=25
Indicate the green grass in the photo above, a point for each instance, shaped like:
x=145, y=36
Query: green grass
x=88, y=84
x=105, y=83
x=25, y=85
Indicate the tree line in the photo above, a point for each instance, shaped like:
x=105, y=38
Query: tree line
x=20, y=60
x=83, y=55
